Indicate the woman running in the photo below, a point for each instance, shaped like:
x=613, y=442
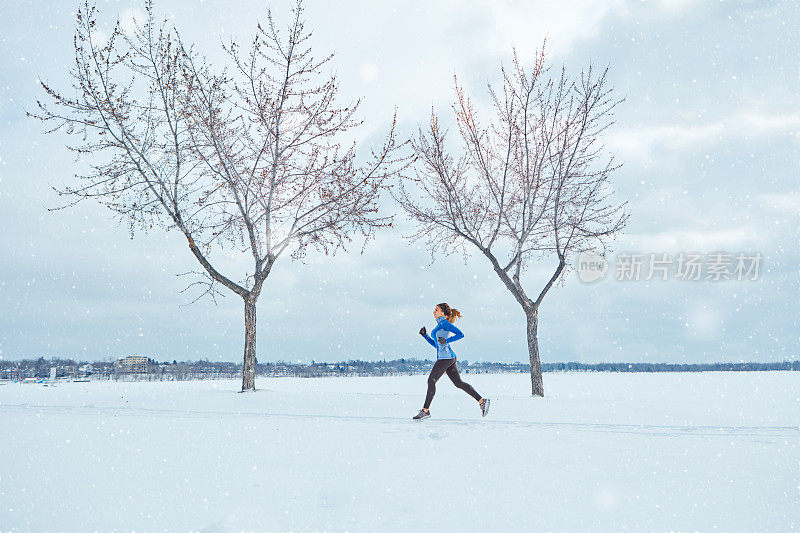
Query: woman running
x=445, y=333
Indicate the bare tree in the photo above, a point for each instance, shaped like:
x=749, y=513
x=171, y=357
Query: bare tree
x=528, y=186
x=247, y=158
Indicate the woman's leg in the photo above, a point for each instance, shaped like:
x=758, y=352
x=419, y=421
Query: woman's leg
x=439, y=368
x=452, y=373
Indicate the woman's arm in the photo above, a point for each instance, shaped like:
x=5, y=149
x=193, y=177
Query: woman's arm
x=430, y=340
x=445, y=324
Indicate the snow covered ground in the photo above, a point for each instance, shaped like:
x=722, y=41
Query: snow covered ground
x=602, y=451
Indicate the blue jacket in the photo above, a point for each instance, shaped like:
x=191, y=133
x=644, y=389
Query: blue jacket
x=445, y=330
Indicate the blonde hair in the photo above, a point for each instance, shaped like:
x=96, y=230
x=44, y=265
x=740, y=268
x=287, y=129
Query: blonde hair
x=451, y=314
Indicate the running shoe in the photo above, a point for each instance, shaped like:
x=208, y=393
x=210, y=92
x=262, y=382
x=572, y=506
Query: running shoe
x=422, y=414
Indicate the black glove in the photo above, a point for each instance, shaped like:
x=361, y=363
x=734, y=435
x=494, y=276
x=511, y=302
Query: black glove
x=423, y=331
x=441, y=340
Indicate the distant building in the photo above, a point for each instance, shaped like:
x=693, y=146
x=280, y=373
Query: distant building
x=134, y=364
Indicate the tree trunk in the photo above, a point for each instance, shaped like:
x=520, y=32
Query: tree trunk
x=537, y=387
x=249, y=364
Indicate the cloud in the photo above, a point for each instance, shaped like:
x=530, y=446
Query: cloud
x=368, y=72
x=641, y=142
x=524, y=25
x=704, y=320
x=732, y=239
x=130, y=18
x=98, y=38
x=783, y=203
x=673, y=4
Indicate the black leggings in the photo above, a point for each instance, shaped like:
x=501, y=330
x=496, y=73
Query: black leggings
x=440, y=367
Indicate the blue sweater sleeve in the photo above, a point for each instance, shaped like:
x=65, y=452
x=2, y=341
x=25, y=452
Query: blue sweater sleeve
x=451, y=328
x=430, y=340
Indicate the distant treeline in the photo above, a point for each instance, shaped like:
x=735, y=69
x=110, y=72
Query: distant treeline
x=204, y=369
x=669, y=367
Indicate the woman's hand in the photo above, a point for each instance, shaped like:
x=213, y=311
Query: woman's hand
x=441, y=340
x=423, y=331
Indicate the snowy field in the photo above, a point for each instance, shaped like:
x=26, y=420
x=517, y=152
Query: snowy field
x=715, y=451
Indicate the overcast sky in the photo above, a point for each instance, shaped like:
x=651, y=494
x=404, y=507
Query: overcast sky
x=709, y=135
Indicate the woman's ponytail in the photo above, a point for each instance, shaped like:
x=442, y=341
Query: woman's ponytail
x=449, y=313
